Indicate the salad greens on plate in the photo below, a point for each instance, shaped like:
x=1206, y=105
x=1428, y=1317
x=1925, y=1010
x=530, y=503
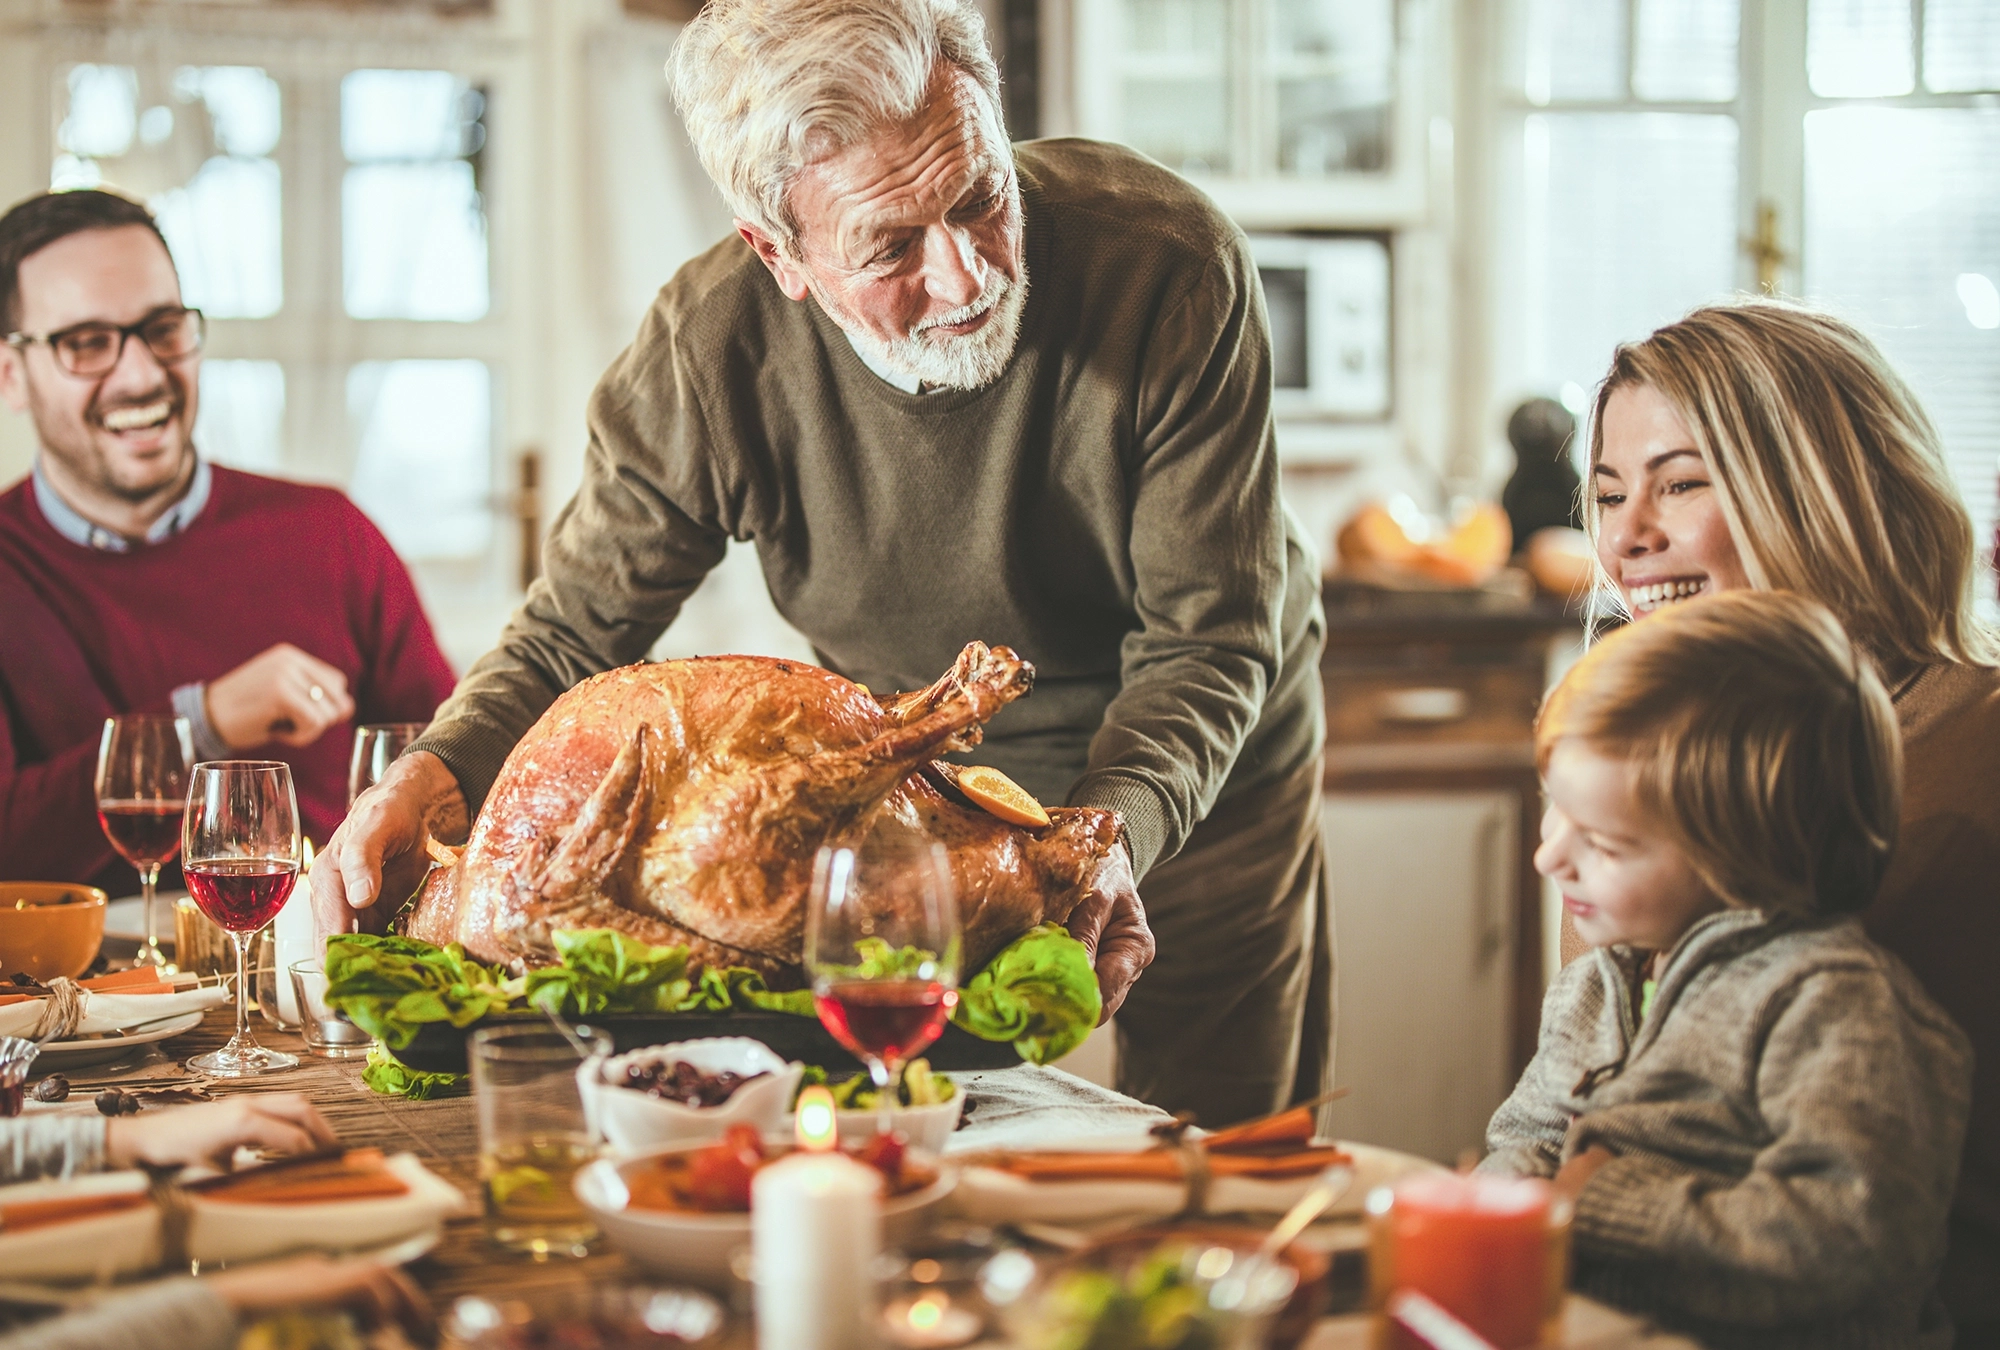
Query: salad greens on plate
x=1039, y=993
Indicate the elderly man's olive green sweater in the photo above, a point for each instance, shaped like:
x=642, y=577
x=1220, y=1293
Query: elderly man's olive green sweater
x=1786, y=1117
x=1108, y=508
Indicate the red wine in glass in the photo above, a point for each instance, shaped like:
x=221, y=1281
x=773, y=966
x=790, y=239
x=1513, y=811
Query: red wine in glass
x=882, y=943
x=240, y=855
x=241, y=894
x=888, y=1021
x=141, y=787
x=145, y=833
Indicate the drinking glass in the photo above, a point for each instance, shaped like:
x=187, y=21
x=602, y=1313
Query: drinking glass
x=882, y=947
x=324, y=1033
x=533, y=1136
x=240, y=856
x=142, y=787
x=375, y=748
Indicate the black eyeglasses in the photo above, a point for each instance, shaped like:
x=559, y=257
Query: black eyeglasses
x=88, y=350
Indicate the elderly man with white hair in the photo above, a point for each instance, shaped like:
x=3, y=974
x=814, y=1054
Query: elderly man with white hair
x=955, y=389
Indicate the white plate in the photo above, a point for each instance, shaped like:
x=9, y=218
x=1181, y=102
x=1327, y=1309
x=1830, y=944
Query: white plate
x=103, y=1049
x=125, y=917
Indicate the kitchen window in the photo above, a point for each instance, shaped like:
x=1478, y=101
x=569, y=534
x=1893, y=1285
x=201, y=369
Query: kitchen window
x=337, y=211
x=1658, y=154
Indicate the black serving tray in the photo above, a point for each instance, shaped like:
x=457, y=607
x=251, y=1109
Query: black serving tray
x=439, y=1047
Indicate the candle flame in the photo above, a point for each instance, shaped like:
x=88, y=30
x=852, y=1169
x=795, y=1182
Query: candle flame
x=306, y=856
x=927, y=1312
x=818, y=1130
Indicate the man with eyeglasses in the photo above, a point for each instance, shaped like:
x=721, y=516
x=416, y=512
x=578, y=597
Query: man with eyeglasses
x=137, y=577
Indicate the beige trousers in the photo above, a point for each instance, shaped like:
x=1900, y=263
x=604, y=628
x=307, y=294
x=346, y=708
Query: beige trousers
x=1234, y=1018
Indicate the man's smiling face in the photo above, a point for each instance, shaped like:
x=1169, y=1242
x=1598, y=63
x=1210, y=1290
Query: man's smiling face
x=911, y=240
x=127, y=434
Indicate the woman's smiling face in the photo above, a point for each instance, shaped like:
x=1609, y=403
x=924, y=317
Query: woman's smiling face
x=1661, y=533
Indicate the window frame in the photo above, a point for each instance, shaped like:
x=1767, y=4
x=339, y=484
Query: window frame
x=312, y=337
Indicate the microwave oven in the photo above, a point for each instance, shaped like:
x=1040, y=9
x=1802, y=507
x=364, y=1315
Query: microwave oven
x=1328, y=299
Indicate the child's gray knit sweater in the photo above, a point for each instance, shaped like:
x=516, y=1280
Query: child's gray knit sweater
x=1787, y=1121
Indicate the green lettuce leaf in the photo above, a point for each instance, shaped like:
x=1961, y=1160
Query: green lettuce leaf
x=1039, y=992
x=392, y=1078
x=601, y=970
x=389, y=986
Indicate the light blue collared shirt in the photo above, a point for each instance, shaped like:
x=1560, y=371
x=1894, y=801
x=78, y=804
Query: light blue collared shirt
x=190, y=700
x=73, y=527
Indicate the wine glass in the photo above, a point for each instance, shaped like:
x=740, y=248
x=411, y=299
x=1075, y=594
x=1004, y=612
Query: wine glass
x=882, y=947
x=142, y=786
x=240, y=855
x=376, y=747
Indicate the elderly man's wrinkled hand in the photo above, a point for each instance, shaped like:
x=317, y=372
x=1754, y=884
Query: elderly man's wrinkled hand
x=1110, y=920
x=380, y=854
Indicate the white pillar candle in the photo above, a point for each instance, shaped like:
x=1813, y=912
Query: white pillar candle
x=815, y=1231
x=292, y=939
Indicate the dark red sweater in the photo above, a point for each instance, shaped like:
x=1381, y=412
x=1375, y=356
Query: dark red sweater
x=86, y=633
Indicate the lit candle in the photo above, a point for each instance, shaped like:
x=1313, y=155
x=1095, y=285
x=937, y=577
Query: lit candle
x=815, y=1231
x=817, y=1124
x=1489, y=1250
x=929, y=1322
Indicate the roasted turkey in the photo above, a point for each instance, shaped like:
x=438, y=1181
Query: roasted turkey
x=682, y=802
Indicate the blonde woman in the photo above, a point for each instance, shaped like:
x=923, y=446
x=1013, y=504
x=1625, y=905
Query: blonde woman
x=1766, y=446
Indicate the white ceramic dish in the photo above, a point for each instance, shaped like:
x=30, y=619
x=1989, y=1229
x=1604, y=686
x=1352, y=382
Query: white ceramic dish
x=991, y=1196
x=125, y=917
x=103, y=1049
x=633, y=1122
x=925, y=1127
x=128, y=1240
x=701, y=1247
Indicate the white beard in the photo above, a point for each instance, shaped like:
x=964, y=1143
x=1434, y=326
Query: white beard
x=969, y=362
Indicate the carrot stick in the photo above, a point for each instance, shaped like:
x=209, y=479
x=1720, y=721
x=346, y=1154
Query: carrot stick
x=45, y=1213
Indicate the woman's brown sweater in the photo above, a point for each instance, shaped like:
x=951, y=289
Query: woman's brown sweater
x=1939, y=910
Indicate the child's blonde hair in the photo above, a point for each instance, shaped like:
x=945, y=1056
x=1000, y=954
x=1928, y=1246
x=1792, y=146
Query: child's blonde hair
x=1760, y=737
x=1832, y=479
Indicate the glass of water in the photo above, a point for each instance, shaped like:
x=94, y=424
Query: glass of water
x=533, y=1136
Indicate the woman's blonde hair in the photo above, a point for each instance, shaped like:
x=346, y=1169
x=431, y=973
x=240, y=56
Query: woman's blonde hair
x=1759, y=736
x=1831, y=477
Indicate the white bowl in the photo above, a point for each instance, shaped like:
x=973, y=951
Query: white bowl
x=702, y=1247
x=634, y=1121
x=925, y=1127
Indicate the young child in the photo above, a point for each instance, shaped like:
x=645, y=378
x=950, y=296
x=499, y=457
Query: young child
x=1757, y=1110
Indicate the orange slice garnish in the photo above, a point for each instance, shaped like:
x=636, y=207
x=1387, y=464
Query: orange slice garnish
x=1002, y=796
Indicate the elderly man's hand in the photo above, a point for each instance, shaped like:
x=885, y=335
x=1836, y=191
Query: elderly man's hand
x=380, y=855
x=1111, y=921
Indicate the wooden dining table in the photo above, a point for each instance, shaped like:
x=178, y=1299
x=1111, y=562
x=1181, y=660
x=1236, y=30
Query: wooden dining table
x=443, y=1134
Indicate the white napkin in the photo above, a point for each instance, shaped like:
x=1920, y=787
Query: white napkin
x=111, y=1012
x=128, y=1241
x=989, y=1195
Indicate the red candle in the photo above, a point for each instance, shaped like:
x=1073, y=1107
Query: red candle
x=1488, y=1250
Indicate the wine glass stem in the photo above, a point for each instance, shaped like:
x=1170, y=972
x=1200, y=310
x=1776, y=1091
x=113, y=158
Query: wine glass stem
x=149, y=881
x=242, y=944
x=885, y=1099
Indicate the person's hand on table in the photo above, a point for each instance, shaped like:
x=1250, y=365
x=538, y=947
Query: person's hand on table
x=380, y=1294
x=211, y=1132
x=1577, y=1172
x=1110, y=920
x=380, y=854
x=281, y=694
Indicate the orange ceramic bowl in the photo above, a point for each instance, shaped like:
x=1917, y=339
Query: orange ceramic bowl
x=49, y=928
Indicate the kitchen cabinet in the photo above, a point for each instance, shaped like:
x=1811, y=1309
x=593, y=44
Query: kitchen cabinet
x=1424, y=939
x=1432, y=816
